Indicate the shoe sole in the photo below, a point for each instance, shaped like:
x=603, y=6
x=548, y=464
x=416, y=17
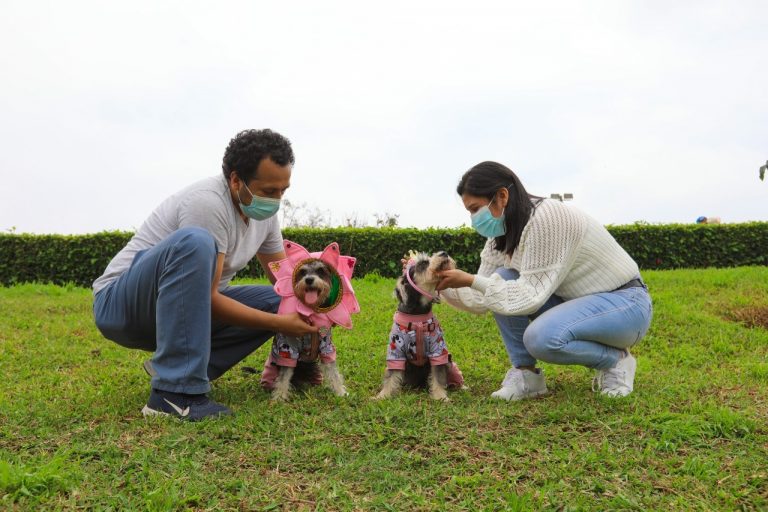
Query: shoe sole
x=148, y=412
x=149, y=368
x=615, y=394
x=515, y=399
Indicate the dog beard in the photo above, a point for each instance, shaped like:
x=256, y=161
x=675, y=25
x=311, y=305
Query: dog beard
x=427, y=278
x=313, y=285
x=440, y=261
x=424, y=275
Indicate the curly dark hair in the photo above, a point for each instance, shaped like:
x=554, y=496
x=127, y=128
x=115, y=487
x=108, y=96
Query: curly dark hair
x=249, y=147
x=484, y=180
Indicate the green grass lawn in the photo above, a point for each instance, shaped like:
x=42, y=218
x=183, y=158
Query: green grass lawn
x=692, y=436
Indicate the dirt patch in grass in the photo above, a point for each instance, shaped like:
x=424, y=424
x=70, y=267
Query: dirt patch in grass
x=751, y=316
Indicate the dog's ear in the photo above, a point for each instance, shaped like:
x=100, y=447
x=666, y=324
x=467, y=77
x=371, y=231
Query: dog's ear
x=397, y=294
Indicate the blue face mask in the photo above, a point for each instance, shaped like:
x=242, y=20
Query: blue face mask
x=261, y=207
x=486, y=224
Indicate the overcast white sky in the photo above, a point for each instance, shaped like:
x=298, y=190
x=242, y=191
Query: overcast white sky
x=646, y=110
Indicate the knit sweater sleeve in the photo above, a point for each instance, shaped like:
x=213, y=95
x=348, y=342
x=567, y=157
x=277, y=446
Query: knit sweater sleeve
x=468, y=299
x=548, y=247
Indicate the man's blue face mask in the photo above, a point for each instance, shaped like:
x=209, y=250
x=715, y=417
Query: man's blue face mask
x=486, y=224
x=261, y=208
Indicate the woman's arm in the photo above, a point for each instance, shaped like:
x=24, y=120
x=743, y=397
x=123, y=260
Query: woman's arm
x=454, y=287
x=547, y=250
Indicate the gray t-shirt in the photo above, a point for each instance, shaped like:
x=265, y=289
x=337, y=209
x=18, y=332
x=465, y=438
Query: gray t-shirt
x=206, y=204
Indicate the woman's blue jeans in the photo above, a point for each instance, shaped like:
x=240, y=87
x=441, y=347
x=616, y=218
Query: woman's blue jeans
x=163, y=304
x=591, y=331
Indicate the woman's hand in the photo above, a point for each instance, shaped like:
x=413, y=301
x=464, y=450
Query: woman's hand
x=294, y=325
x=454, y=278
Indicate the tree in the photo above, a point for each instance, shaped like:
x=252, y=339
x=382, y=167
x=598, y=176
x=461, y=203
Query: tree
x=762, y=170
x=386, y=219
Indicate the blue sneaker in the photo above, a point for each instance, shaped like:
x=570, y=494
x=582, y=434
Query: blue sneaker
x=185, y=407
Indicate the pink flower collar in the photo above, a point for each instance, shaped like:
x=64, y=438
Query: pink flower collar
x=344, y=304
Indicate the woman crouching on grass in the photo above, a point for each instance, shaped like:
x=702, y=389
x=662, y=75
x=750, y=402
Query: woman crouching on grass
x=560, y=287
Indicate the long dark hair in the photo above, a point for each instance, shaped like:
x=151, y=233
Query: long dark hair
x=485, y=180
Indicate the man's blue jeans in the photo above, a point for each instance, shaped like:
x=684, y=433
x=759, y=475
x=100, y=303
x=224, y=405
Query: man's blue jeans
x=591, y=331
x=163, y=304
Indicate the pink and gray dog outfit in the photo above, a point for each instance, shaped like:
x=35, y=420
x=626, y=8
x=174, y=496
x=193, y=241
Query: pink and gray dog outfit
x=418, y=339
x=289, y=350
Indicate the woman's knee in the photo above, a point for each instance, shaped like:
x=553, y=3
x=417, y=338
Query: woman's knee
x=507, y=274
x=542, y=339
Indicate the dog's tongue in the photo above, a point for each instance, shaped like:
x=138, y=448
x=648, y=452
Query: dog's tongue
x=310, y=297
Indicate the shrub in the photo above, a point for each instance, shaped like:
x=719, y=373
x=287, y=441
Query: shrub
x=80, y=259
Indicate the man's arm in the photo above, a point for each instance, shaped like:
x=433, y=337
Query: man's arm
x=266, y=259
x=230, y=311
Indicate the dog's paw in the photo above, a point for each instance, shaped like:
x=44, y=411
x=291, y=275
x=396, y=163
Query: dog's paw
x=278, y=396
x=439, y=394
x=341, y=392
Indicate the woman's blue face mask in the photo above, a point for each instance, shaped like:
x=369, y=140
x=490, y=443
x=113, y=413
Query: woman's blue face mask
x=261, y=208
x=486, y=224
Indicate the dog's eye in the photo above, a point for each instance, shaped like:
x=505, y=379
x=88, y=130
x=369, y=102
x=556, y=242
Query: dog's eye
x=302, y=272
x=322, y=273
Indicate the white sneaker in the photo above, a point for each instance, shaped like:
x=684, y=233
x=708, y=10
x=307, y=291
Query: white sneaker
x=617, y=381
x=519, y=384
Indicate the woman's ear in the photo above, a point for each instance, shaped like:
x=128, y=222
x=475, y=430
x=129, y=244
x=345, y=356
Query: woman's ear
x=503, y=195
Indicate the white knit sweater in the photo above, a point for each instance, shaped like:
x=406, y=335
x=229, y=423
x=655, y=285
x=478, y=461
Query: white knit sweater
x=562, y=251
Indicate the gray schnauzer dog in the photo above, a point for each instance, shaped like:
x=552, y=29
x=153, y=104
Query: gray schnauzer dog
x=294, y=360
x=417, y=355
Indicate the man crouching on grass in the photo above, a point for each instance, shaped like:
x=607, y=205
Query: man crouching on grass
x=168, y=289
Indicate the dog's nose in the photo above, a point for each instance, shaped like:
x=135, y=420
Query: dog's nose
x=309, y=280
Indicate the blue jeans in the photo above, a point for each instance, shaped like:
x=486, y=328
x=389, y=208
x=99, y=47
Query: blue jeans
x=591, y=331
x=162, y=303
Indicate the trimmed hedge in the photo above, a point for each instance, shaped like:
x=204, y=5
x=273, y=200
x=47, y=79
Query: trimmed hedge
x=80, y=259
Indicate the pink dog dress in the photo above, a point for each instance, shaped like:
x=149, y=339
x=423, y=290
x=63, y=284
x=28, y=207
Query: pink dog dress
x=289, y=350
x=418, y=339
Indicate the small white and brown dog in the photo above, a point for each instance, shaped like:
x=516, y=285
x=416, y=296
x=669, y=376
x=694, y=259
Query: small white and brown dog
x=417, y=355
x=293, y=361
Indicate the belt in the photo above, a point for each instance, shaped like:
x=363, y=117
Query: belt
x=635, y=283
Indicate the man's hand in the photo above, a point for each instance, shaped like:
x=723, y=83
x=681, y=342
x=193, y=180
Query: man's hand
x=454, y=278
x=294, y=325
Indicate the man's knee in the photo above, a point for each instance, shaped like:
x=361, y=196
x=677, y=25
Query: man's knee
x=273, y=303
x=195, y=239
x=261, y=297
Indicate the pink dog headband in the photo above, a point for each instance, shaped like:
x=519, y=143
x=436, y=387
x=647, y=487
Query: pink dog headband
x=406, y=271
